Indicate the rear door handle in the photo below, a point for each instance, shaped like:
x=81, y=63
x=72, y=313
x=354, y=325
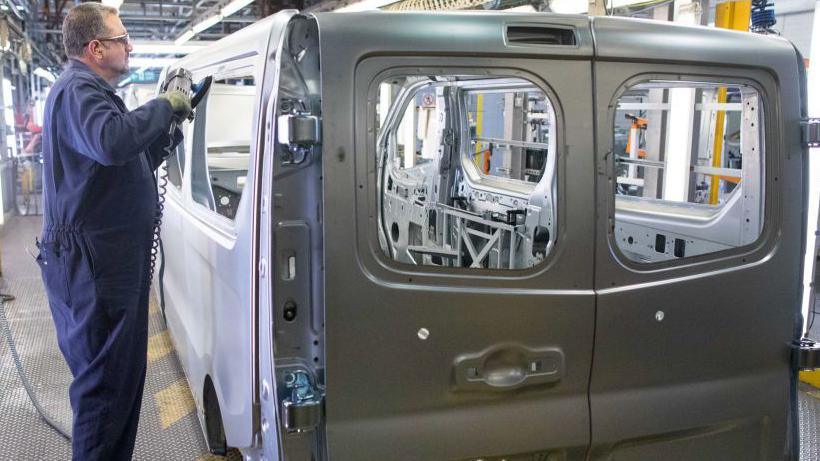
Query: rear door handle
x=508, y=367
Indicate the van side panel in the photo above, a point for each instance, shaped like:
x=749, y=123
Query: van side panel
x=210, y=283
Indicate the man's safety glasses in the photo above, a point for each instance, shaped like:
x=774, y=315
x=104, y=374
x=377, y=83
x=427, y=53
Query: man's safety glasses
x=124, y=39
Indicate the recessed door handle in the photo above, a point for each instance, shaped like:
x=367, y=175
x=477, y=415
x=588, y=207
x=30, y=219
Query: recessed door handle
x=507, y=367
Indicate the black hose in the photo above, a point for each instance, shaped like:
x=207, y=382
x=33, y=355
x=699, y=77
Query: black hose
x=4, y=326
x=157, y=249
x=162, y=185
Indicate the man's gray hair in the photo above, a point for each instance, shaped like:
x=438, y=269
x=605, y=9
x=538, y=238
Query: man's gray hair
x=83, y=23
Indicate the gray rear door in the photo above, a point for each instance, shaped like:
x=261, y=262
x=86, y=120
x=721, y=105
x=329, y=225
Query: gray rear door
x=697, y=300
x=440, y=360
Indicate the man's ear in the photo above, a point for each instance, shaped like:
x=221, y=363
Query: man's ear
x=94, y=50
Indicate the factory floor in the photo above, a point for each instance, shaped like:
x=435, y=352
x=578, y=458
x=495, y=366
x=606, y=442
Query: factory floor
x=169, y=429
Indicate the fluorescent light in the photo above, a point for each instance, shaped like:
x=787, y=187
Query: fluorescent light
x=112, y=3
x=184, y=37
x=206, y=23
x=125, y=82
x=203, y=25
x=233, y=7
x=42, y=73
x=148, y=47
x=364, y=5
x=521, y=9
x=150, y=62
x=582, y=6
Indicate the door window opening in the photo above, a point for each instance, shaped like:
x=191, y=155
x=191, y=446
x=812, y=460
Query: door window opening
x=689, y=169
x=466, y=171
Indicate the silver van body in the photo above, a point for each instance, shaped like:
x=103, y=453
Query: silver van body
x=353, y=299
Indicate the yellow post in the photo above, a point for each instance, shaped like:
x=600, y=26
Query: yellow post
x=728, y=15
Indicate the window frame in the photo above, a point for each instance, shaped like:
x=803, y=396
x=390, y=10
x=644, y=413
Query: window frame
x=375, y=140
x=769, y=166
x=198, y=130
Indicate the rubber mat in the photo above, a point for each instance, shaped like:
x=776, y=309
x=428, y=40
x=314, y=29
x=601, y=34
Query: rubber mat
x=809, y=402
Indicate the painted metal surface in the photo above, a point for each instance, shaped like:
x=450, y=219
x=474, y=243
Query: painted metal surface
x=685, y=356
x=414, y=408
x=210, y=298
x=721, y=348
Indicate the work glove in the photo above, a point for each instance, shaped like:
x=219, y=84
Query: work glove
x=180, y=103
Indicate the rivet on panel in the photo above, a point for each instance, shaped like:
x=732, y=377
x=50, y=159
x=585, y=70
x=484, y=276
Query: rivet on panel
x=659, y=316
x=265, y=389
x=423, y=333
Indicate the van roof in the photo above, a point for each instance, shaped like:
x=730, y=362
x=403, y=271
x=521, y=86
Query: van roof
x=482, y=33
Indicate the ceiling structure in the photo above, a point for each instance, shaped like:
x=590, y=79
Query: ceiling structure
x=155, y=21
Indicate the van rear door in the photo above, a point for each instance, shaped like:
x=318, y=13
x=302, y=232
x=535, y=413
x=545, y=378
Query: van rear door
x=699, y=243
x=458, y=272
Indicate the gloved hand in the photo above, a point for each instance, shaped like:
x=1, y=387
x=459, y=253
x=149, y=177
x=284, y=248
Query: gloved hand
x=180, y=102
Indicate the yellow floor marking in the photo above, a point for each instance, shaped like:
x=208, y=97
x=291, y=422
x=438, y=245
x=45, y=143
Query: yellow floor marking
x=815, y=394
x=159, y=345
x=174, y=403
x=811, y=377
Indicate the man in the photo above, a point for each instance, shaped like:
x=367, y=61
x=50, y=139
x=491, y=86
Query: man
x=100, y=206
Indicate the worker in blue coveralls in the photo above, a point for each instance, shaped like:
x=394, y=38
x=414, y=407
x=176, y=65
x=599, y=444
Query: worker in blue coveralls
x=100, y=206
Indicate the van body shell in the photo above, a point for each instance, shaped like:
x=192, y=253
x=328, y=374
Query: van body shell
x=684, y=359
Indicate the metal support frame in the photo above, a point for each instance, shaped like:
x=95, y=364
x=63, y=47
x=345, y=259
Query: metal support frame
x=464, y=234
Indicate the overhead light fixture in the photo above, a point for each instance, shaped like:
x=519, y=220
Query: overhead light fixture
x=147, y=47
x=112, y=3
x=4, y=7
x=522, y=9
x=201, y=26
x=206, y=23
x=42, y=73
x=364, y=5
x=233, y=7
x=184, y=37
x=581, y=7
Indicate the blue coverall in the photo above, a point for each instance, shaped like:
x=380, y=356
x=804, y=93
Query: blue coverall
x=100, y=204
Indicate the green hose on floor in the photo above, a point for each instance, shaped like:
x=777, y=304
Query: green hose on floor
x=4, y=326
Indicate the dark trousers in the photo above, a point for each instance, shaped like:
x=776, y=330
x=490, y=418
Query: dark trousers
x=97, y=287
